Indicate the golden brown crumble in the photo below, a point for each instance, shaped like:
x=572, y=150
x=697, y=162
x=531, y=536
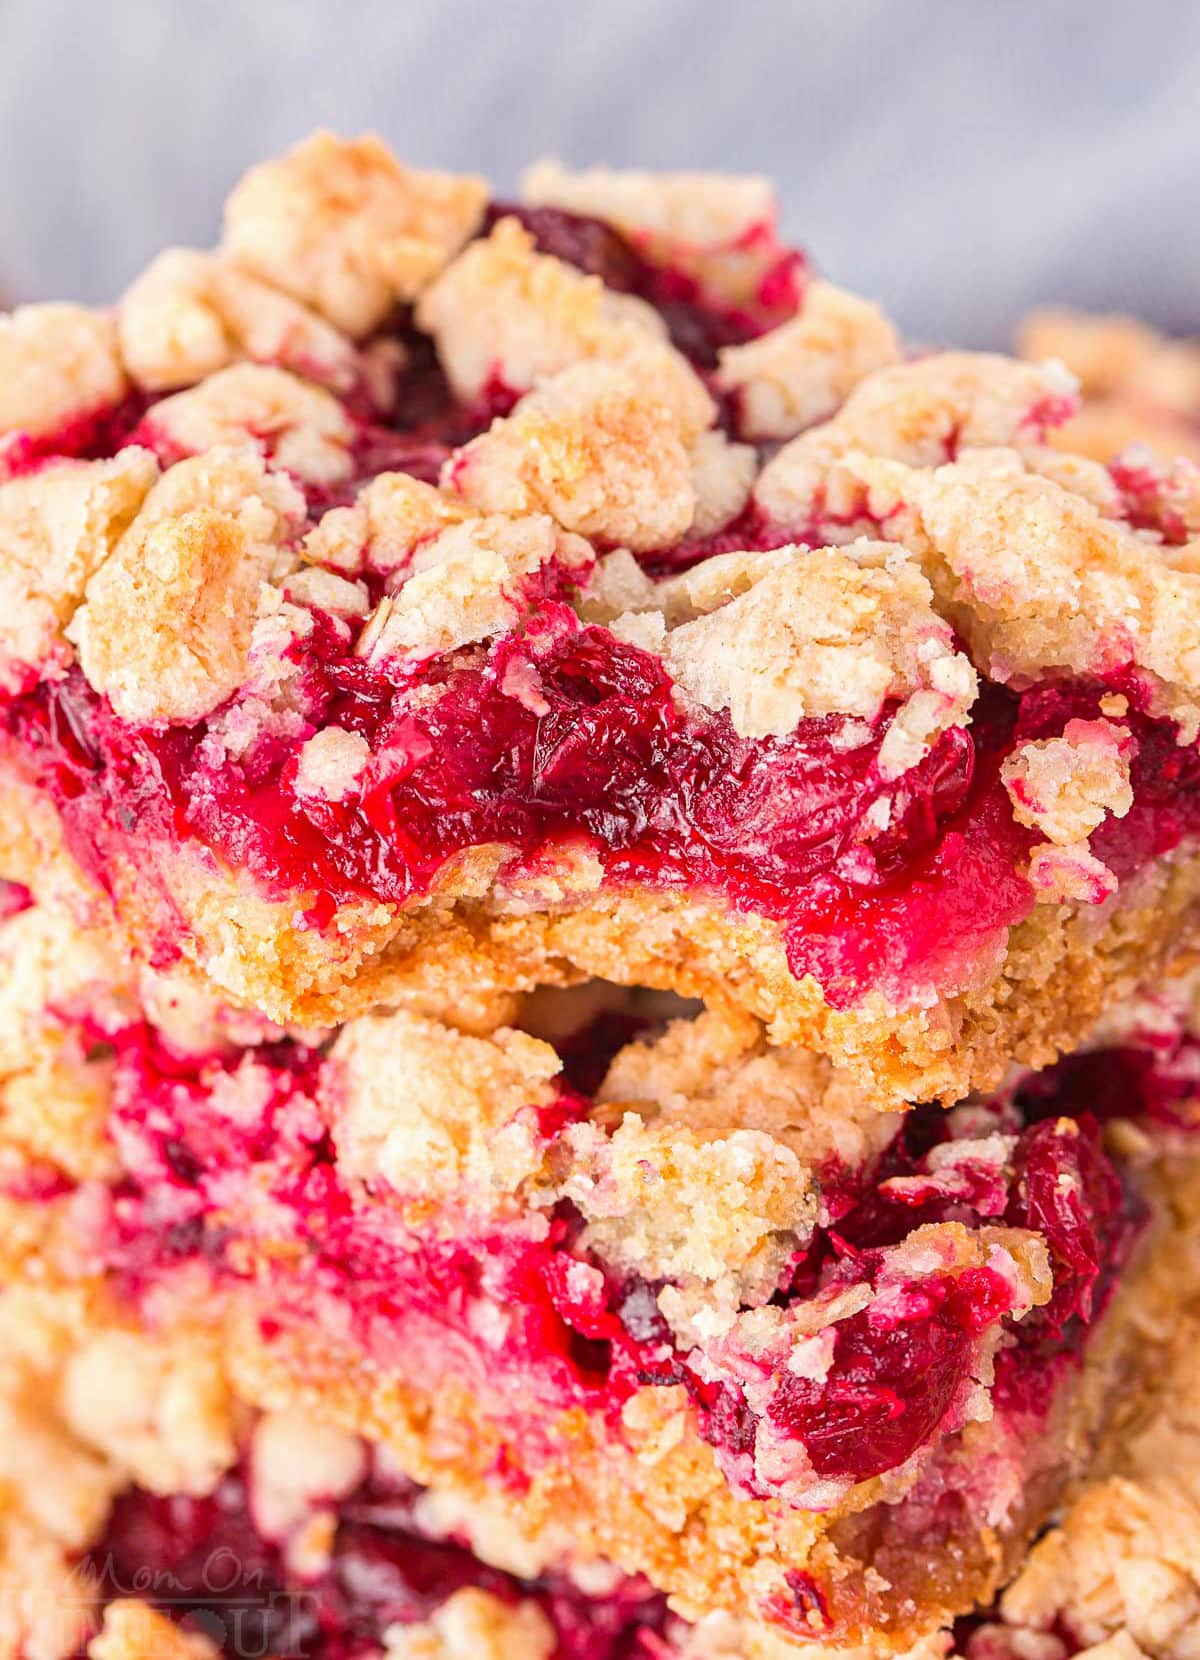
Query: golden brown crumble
x=133, y=1630
x=304, y=428
x=598, y=454
x=802, y=371
x=190, y=314
x=923, y=413
x=474, y=1624
x=57, y=527
x=502, y=311
x=716, y=227
x=57, y=363
x=345, y=228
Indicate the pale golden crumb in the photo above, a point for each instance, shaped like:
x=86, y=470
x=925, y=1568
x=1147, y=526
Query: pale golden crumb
x=316, y=589
x=802, y=371
x=922, y=413
x=723, y=476
x=57, y=363
x=302, y=428
x=233, y=480
x=165, y=633
x=474, y=1624
x=718, y=228
x=390, y=517
x=429, y=1110
x=57, y=527
x=344, y=227
x=331, y=763
x=46, y=1605
x=133, y=1630
x=1038, y=580
x=592, y=447
x=828, y=631
x=1066, y=787
x=160, y=1412
x=191, y=313
x=466, y=585
x=502, y=311
x=296, y=1463
x=1117, y=354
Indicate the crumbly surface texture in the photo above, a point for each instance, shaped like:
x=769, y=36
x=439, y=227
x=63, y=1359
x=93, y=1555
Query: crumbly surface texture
x=390, y=446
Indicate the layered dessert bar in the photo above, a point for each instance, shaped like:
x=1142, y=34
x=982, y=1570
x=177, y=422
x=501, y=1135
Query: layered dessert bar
x=421, y=598
x=1138, y=386
x=149, y=1512
x=647, y=1284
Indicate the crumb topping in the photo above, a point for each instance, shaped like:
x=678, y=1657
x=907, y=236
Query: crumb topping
x=331, y=763
x=1066, y=787
x=475, y=1625
x=343, y=227
x=191, y=314
x=133, y=1630
x=430, y=1110
x=828, y=631
x=57, y=527
x=298, y=1462
x=802, y=371
x=590, y=448
x=1038, y=580
x=160, y=1411
x=466, y=585
x=718, y=228
x=56, y=363
x=304, y=429
x=923, y=413
x=165, y=633
x=504, y=313
x=389, y=518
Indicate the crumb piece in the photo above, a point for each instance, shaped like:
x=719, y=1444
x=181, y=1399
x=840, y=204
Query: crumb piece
x=1066, y=786
x=57, y=527
x=165, y=633
x=1116, y=354
x=46, y=1605
x=133, y=1630
x=474, y=1625
x=616, y=585
x=297, y=1463
x=722, y=478
x=1070, y=874
x=501, y=312
x=331, y=763
x=191, y=313
x=302, y=428
x=923, y=413
x=593, y=448
x=802, y=371
x=343, y=227
x=159, y=1410
x=664, y=1203
x=717, y=228
x=827, y=632
x=57, y=362
x=234, y=480
x=316, y=589
x=428, y=1111
x=390, y=517
x=1038, y=581
x=466, y=585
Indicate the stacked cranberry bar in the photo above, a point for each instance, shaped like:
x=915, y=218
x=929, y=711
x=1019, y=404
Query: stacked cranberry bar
x=559, y=789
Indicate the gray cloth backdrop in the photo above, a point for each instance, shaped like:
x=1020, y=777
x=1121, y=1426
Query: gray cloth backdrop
x=954, y=158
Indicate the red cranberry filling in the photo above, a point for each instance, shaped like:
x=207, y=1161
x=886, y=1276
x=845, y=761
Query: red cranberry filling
x=202, y=1562
x=662, y=797
x=203, y=1184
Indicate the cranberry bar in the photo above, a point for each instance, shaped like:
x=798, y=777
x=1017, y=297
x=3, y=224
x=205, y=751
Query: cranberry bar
x=149, y=1512
x=623, y=1271
x=421, y=598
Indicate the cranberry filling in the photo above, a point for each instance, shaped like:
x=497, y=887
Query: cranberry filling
x=606, y=759
x=203, y=1562
x=227, y=1188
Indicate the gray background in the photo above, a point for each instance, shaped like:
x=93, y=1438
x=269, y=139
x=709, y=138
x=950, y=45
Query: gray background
x=957, y=159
